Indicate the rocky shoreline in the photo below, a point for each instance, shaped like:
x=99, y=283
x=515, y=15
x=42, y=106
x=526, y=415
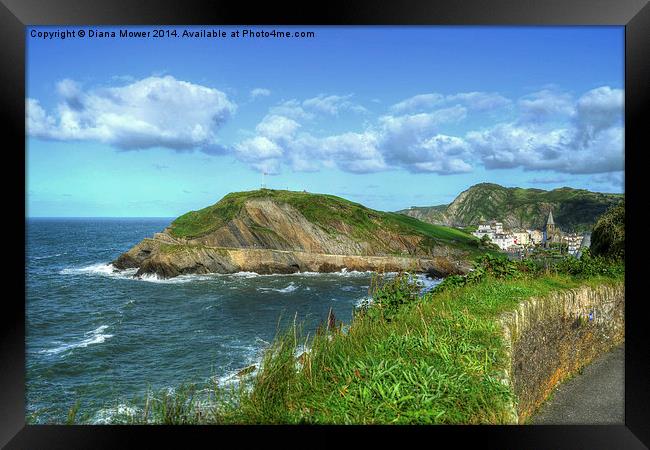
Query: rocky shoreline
x=165, y=259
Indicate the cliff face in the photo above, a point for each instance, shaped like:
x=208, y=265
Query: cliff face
x=284, y=232
x=573, y=209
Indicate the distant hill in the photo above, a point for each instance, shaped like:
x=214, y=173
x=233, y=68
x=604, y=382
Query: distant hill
x=276, y=231
x=573, y=209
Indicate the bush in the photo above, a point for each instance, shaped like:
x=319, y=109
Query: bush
x=589, y=266
x=608, y=236
x=496, y=266
x=389, y=294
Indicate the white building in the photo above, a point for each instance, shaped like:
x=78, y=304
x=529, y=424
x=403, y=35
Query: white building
x=522, y=237
x=495, y=232
x=574, y=242
x=490, y=229
x=536, y=236
x=504, y=241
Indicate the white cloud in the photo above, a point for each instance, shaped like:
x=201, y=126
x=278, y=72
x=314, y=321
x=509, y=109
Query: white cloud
x=324, y=105
x=534, y=148
x=352, y=152
x=478, y=101
x=259, y=92
x=418, y=102
x=417, y=125
x=615, y=180
x=413, y=141
x=277, y=127
x=397, y=141
x=545, y=105
x=258, y=148
x=332, y=104
x=598, y=110
x=550, y=130
x=292, y=109
x=153, y=112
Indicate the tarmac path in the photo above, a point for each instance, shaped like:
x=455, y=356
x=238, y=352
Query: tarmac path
x=596, y=396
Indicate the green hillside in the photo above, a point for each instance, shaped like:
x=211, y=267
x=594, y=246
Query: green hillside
x=328, y=212
x=573, y=209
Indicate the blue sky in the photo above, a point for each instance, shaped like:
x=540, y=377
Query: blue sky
x=387, y=116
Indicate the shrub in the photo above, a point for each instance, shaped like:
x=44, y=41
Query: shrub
x=389, y=294
x=496, y=266
x=589, y=266
x=608, y=236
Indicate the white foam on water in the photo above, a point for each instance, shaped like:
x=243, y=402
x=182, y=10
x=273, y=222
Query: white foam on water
x=102, y=269
x=253, y=355
x=244, y=274
x=428, y=283
x=153, y=278
x=108, y=270
x=96, y=336
x=106, y=416
x=47, y=256
x=343, y=273
x=290, y=288
x=364, y=301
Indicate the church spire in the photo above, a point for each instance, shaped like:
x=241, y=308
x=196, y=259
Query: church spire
x=550, y=221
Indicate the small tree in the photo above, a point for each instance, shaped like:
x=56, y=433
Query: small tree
x=608, y=236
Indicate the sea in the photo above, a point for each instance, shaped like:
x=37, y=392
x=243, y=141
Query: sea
x=99, y=338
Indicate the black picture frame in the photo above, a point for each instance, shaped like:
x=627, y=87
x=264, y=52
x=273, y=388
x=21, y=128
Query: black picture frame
x=15, y=15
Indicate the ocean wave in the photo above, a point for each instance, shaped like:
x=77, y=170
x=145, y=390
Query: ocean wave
x=343, y=273
x=428, y=283
x=290, y=288
x=102, y=269
x=47, y=256
x=363, y=302
x=253, y=354
x=96, y=336
x=180, y=279
x=108, y=270
x=244, y=274
x=107, y=416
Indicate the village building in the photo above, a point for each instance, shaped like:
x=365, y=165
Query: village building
x=517, y=240
x=574, y=242
x=504, y=241
x=522, y=237
x=495, y=232
x=489, y=229
x=552, y=234
x=536, y=236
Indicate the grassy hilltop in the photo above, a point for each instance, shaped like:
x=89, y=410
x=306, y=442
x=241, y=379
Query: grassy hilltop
x=333, y=214
x=573, y=209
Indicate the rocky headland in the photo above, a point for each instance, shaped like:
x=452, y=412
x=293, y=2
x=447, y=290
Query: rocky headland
x=270, y=231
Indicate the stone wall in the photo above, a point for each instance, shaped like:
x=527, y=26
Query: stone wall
x=549, y=339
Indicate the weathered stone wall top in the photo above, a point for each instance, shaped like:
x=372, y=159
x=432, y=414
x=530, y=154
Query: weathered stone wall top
x=548, y=339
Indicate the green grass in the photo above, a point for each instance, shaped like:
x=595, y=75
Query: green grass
x=325, y=211
x=438, y=360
